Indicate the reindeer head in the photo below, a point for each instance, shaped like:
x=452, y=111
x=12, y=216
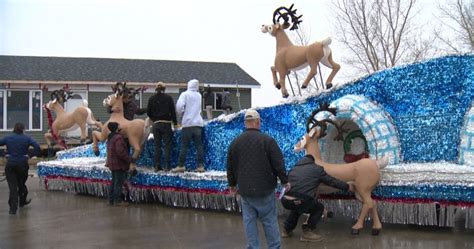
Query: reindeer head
x=58, y=97
x=119, y=90
x=289, y=17
x=317, y=124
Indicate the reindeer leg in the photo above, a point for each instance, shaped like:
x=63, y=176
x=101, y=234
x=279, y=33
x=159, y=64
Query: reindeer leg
x=282, y=75
x=96, y=138
x=83, y=133
x=135, y=144
x=335, y=69
x=49, y=137
x=376, y=225
x=312, y=72
x=367, y=204
x=275, y=79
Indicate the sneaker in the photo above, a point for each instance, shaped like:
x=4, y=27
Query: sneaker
x=179, y=169
x=25, y=203
x=286, y=234
x=200, y=169
x=310, y=236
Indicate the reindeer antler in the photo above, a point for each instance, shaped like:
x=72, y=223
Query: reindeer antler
x=54, y=95
x=131, y=92
x=67, y=93
x=312, y=121
x=119, y=87
x=285, y=14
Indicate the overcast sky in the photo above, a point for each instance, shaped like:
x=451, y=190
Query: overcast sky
x=204, y=30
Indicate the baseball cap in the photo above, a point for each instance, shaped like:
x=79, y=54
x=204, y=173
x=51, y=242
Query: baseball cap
x=251, y=114
x=160, y=85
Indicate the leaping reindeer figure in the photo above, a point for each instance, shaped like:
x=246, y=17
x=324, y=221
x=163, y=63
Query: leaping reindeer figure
x=290, y=57
x=365, y=173
x=135, y=130
x=67, y=121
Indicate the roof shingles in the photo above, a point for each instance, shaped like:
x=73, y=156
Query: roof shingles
x=26, y=68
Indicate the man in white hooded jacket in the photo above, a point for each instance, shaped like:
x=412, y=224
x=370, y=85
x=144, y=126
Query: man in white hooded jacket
x=189, y=108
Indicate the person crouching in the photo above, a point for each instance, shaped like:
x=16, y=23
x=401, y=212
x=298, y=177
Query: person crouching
x=118, y=161
x=305, y=178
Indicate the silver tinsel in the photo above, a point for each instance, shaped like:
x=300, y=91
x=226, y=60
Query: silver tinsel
x=432, y=213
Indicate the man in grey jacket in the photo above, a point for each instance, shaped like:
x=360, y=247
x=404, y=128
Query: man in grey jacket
x=189, y=108
x=305, y=178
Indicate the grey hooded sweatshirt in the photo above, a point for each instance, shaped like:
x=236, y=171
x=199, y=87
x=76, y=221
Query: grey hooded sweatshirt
x=189, y=106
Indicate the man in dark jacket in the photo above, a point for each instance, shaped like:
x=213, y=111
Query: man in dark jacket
x=16, y=170
x=130, y=107
x=305, y=178
x=118, y=161
x=161, y=110
x=254, y=161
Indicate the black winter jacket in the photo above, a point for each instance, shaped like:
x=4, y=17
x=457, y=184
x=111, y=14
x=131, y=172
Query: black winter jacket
x=161, y=107
x=254, y=161
x=306, y=176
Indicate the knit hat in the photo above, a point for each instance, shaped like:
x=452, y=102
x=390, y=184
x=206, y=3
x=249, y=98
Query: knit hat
x=113, y=126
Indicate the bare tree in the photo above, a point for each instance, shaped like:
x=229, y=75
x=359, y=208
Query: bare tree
x=459, y=17
x=379, y=33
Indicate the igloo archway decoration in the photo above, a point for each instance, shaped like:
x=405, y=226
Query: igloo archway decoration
x=466, y=148
x=375, y=124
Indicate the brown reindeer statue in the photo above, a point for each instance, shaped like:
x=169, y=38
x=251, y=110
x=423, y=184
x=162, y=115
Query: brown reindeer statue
x=290, y=57
x=66, y=121
x=364, y=174
x=135, y=130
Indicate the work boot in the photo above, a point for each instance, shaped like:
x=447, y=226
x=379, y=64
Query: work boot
x=310, y=236
x=12, y=211
x=158, y=169
x=179, y=169
x=286, y=234
x=22, y=204
x=200, y=169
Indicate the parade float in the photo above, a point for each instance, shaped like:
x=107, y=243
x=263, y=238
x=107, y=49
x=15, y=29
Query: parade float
x=419, y=116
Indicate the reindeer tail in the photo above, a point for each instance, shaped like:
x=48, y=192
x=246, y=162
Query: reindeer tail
x=91, y=120
x=326, y=41
x=146, y=129
x=382, y=162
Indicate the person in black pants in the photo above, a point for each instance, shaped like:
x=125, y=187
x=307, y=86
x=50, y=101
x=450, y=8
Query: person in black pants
x=118, y=161
x=305, y=178
x=162, y=111
x=16, y=170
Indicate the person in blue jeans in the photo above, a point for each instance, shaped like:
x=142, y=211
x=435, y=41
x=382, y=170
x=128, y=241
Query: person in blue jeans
x=16, y=170
x=189, y=108
x=254, y=162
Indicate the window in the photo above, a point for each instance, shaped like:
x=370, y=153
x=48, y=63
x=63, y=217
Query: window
x=212, y=98
x=20, y=106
